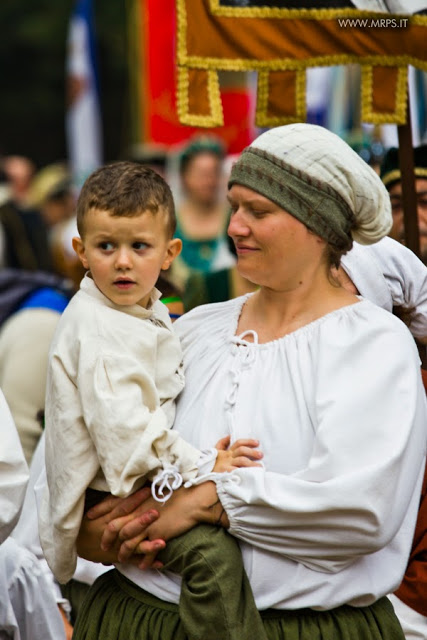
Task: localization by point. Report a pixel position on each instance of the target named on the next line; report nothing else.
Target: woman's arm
(116, 529)
(112, 530)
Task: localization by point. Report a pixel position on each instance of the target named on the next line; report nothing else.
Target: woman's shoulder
(210, 318)
(364, 323)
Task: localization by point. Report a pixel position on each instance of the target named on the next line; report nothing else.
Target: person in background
(201, 213)
(154, 156)
(13, 472)
(20, 171)
(24, 239)
(215, 286)
(31, 303)
(27, 609)
(391, 177)
(51, 193)
(330, 385)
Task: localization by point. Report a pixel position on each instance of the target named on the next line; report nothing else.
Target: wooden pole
(409, 197)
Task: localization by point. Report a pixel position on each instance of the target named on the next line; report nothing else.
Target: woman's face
(202, 177)
(274, 249)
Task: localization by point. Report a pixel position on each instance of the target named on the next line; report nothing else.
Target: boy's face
(126, 254)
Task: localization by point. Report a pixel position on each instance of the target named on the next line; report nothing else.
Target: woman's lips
(243, 248)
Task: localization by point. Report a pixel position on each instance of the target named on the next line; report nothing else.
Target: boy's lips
(124, 284)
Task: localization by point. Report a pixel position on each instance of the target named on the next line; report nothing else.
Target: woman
(329, 384)
(201, 215)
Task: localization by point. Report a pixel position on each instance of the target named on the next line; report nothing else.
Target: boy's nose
(123, 259)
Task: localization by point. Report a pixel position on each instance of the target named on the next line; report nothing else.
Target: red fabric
(160, 122)
(413, 590)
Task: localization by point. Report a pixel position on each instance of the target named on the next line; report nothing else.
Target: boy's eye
(106, 246)
(139, 246)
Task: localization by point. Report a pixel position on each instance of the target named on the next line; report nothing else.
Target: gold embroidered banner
(281, 40)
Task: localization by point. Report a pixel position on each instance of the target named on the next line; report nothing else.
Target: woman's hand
(142, 534)
(242, 453)
(96, 543)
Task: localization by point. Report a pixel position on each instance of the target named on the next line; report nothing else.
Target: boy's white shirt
(113, 377)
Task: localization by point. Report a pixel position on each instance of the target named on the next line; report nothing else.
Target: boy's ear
(79, 248)
(173, 250)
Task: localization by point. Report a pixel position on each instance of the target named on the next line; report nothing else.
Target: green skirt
(116, 609)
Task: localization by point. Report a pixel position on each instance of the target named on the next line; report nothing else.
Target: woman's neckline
(300, 330)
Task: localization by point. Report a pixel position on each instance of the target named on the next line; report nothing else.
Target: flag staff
(409, 196)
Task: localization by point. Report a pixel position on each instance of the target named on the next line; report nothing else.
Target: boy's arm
(131, 432)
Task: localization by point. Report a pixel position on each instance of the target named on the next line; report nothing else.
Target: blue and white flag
(83, 117)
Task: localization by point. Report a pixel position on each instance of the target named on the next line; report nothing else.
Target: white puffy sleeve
(368, 416)
(391, 275)
(13, 472)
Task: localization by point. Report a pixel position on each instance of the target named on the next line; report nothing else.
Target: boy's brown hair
(126, 189)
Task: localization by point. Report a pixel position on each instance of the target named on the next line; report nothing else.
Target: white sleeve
(369, 419)
(406, 277)
(130, 431)
(13, 472)
(28, 609)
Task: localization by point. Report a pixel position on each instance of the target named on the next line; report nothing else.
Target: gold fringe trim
(375, 117)
(284, 64)
(217, 9)
(215, 117)
(262, 119)
(181, 21)
(212, 65)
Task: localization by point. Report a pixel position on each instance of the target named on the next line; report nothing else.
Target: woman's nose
(237, 225)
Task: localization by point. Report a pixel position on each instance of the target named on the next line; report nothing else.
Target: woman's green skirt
(116, 609)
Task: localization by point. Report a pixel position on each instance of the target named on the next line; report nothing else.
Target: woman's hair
(126, 189)
(333, 256)
(197, 145)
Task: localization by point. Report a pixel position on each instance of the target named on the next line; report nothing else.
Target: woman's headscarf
(315, 176)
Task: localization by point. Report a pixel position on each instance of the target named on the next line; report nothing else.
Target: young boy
(114, 374)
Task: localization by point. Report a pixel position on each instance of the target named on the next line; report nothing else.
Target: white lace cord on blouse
(165, 483)
(245, 356)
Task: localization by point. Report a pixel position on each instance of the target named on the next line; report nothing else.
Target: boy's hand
(242, 453)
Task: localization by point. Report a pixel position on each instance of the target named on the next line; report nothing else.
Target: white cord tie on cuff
(165, 483)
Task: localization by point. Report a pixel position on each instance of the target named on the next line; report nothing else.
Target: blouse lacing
(244, 357)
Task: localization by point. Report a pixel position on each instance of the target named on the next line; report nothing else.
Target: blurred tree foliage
(33, 56)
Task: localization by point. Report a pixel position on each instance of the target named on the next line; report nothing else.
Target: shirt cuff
(206, 461)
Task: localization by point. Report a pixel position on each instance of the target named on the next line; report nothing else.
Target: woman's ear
(173, 250)
(79, 248)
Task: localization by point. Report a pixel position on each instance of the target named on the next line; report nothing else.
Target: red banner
(155, 77)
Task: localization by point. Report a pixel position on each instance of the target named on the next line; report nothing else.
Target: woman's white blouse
(340, 412)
